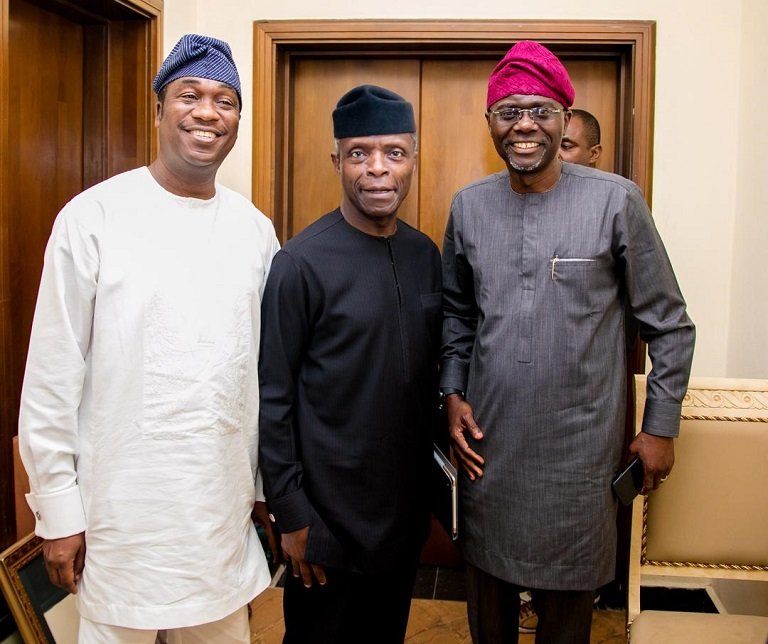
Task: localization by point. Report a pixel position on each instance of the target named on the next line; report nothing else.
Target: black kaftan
(348, 378)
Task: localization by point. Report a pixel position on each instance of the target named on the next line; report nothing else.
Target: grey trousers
(493, 608)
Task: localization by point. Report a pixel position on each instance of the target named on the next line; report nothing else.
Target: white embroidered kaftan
(139, 411)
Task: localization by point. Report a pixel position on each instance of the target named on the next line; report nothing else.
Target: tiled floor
(433, 621)
(433, 582)
(438, 614)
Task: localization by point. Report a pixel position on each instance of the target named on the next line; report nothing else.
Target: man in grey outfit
(541, 263)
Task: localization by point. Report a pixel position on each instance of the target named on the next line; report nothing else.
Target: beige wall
(748, 330)
(708, 166)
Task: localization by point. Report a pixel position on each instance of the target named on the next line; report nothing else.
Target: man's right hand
(294, 545)
(461, 420)
(64, 560)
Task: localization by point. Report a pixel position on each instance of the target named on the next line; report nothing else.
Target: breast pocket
(584, 285)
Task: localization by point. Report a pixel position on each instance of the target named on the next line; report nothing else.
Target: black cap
(369, 110)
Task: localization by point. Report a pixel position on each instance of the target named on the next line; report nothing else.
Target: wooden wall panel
(75, 108)
(7, 511)
(313, 186)
(45, 150)
(130, 121)
(456, 146)
(596, 85)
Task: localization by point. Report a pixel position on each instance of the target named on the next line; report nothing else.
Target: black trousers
(493, 608)
(351, 608)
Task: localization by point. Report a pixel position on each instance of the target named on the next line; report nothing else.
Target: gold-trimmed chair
(707, 526)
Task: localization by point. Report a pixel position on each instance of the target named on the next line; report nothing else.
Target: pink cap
(529, 68)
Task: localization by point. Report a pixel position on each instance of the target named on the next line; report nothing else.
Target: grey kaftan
(536, 286)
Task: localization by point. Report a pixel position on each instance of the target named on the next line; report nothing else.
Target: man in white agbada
(139, 411)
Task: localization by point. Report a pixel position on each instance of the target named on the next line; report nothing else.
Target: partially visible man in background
(139, 410)
(581, 139)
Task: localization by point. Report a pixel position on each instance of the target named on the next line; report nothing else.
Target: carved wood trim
(725, 399)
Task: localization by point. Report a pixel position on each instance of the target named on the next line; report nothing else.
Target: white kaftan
(139, 411)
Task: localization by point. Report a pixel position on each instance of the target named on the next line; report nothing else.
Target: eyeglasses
(514, 114)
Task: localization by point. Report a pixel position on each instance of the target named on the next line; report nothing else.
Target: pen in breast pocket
(578, 260)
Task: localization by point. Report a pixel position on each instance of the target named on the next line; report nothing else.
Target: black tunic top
(348, 378)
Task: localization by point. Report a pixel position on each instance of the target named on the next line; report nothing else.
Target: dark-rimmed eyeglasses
(514, 114)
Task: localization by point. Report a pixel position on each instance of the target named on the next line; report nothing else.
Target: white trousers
(233, 629)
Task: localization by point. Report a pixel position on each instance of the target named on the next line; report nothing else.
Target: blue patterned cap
(199, 57)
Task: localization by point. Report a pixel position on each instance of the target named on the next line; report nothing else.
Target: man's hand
(461, 421)
(260, 515)
(658, 456)
(64, 560)
(294, 547)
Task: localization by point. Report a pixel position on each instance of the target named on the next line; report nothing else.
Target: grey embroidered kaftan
(536, 288)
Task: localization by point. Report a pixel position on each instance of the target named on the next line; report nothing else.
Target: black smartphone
(629, 483)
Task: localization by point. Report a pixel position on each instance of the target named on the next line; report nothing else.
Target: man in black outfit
(348, 379)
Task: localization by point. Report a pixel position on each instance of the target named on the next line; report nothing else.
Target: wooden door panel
(448, 95)
(130, 121)
(596, 85)
(456, 148)
(313, 185)
(65, 124)
(45, 150)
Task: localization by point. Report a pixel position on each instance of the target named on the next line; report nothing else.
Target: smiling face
(528, 147)
(198, 120)
(376, 174)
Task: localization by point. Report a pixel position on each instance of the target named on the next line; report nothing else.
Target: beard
(523, 168)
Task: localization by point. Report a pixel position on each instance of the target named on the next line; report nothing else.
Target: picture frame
(39, 608)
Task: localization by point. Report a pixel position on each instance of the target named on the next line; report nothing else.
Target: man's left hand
(658, 456)
(260, 515)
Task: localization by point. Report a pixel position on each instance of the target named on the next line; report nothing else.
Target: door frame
(97, 163)
(277, 42)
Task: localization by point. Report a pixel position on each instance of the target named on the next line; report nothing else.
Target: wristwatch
(447, 391)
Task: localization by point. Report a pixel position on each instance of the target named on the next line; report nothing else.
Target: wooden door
(318, 84)
(448, 97)
(611, 63)
(77, 107)
(442, 67)
(45, 149)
